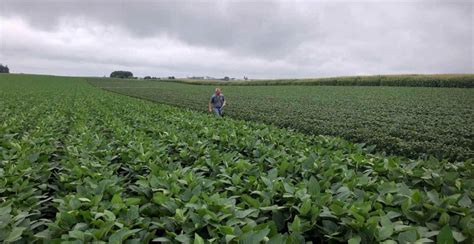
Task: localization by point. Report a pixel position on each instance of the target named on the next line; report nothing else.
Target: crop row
(448, 80)
(414, 122)
(81, 165)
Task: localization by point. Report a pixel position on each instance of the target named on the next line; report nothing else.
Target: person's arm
(223, 101)
(210, 106)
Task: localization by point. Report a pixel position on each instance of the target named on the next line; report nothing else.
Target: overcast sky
(259, 39)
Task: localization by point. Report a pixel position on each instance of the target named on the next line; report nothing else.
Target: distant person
(217, 102)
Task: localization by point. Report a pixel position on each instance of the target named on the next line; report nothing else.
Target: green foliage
(409, 121)
(121, 74)
(4, 69)
(78, 164)
(443, 80)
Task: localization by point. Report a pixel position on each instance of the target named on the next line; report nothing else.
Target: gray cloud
(259, 39)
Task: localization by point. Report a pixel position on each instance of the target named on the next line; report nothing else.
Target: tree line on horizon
(121, 74)
(4, 69)
(129, 75)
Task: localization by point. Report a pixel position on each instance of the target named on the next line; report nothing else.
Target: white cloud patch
(73, 49)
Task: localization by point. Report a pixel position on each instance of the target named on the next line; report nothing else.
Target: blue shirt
(217, 101)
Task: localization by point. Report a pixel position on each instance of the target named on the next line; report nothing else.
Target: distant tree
(226, 78)
(147, 77)
(121, 74)
(170, 77)
(4, 69)
(246, 78)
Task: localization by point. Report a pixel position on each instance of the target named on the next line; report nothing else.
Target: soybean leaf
(445, 236)
(407, 237)
(15, 234)
(121, 235)
(296, 225)
(254, 236)
(354, 240)
(198, 239)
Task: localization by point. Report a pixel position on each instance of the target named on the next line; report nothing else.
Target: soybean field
(79, 165)
(407, 80)
(410, 121)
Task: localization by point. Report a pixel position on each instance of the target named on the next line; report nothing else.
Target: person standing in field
(217, 102)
